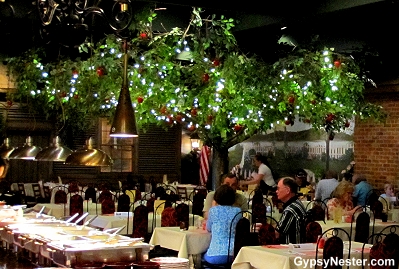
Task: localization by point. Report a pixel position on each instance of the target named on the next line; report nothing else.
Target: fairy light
(44, 74)
(178, 51)
(142, 58)
(328, 99)
(219, 86)
(326, 59)
(112, 51)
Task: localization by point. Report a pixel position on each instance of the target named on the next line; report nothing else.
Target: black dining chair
(334, 246)
(362, 222)
(384, 250)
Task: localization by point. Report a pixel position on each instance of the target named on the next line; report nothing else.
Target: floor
(8, 260)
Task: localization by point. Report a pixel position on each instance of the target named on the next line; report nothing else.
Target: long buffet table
(66, 244)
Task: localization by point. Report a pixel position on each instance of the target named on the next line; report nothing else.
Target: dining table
(116, 221)
(189, 244)
(379, 225)
(62, 210)
(297, 256)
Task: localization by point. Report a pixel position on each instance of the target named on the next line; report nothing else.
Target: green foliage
(225, 95)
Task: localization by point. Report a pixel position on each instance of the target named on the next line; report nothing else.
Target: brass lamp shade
(124, 123)
(89, 156)
(54, 153)
(6, 149)
(27, 152)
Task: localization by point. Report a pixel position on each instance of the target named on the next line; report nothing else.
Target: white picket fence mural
(303, 149)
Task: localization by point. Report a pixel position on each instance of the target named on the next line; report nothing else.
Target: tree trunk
(327, 153)
(220, 165)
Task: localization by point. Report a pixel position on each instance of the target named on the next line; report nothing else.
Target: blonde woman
(342, 200)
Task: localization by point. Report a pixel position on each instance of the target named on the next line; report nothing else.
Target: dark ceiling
(345, 25)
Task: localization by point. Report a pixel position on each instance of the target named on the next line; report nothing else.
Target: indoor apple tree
(199, 78)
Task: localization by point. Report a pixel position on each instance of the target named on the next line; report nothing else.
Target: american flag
(205, 155)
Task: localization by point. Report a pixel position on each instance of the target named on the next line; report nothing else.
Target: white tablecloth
(57, 210)
(28, 189)
(191, 242)
(279, 256)
(107, 222)
(378, 226)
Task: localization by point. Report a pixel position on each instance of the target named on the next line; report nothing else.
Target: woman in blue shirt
(219, 221)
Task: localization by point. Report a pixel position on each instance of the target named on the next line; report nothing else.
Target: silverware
(72, 218)
(81, 217)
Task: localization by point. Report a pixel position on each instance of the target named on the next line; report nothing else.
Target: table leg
(195, 261)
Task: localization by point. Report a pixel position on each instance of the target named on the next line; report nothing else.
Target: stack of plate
(172, 263)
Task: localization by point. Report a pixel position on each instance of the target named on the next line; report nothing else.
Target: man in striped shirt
(291, 228)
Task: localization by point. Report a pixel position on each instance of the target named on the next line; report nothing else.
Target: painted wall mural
(289, 148)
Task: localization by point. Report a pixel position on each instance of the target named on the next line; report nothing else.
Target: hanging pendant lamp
(56, 152)
(27, 152)
(6, 149)
(89, 156)
(124, 123)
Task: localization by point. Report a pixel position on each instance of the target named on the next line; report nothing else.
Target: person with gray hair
(362, 189)
(291, 227)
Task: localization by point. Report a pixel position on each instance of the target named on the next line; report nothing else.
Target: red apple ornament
(237, 128)
(100, 71)
(337, 64)
(194, 112)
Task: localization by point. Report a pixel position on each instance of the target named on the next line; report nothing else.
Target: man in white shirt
(326, 186)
